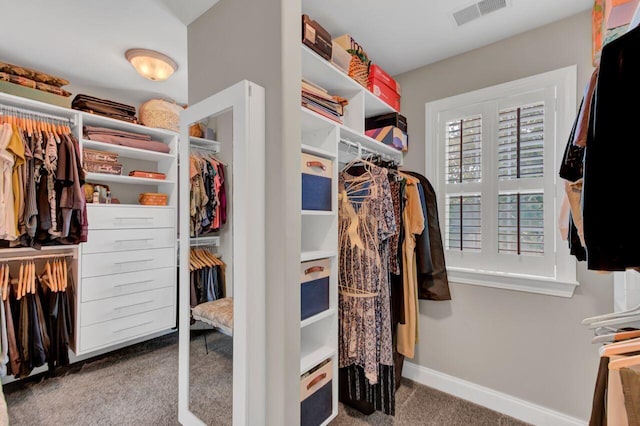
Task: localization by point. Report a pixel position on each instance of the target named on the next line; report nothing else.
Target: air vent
(488, 6)
(466, 15)
(476, 10)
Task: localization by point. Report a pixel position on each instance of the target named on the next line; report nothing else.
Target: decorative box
(390, 119)
(316, 394)
(390, 135)
(106, 167)
(317, 173)
(381, 75)
(384, 92)
(314, 291)
(316, 37)
(96, 155)
(340, 57)
(148, 175)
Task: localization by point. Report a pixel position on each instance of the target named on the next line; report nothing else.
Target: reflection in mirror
(210, 270)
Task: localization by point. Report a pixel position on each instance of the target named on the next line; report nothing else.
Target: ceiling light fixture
(151, 64)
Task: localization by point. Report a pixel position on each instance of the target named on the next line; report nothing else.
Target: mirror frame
(246, 100)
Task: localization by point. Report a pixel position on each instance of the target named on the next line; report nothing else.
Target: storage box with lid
(316, 394)
(384, 86)
(317, 175)
(105, 167)
(314, 290)
(391, 119)
(391, 136)
(99, 156)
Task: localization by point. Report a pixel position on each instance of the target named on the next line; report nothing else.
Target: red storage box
(381, 75)
(384, 92)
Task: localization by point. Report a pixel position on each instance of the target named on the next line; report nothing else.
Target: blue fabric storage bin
(317, 173)
(316, 393)
(314, 291)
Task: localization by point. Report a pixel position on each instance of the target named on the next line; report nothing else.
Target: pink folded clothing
(124, 138)
(132, 143)
(89, 130)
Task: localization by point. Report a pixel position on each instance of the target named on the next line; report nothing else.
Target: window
(493, 156)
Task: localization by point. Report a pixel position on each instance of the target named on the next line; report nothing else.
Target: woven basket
(359, 70)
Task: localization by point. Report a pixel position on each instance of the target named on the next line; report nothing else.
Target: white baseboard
(497, 401)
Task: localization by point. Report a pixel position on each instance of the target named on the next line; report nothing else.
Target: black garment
(432, 285)
(423, 245)
(611, 159)
(571, 168)
(355, 390)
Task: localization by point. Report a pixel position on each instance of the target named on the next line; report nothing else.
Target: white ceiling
(84, 41)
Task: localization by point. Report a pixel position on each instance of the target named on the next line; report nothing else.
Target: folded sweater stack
(124, 138)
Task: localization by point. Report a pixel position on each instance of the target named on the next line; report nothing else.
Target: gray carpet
(138, 385)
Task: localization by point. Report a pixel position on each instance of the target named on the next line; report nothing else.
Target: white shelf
(370, 143)
(314, 356)
(129, 180)
(308, 149)
(208, 144)
(112, 123)
(318, 70)
(318, 317)
(113, 206)
(205, 241)
(128, 152)
(318, 213)
(312, 121)
(318, 254)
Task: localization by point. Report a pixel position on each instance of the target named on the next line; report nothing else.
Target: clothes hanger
(20, 276)
(616, 336)
(623, 347)
(625, 319)
(633, 311)
(627, 361)
(65, 274)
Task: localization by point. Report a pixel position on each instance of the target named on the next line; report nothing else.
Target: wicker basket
(359, 70)
(153, 199)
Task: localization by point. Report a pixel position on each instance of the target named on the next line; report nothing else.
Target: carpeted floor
(138, 385)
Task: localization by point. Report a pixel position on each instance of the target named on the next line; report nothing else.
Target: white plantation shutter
(493, 155)
(521, 142)
(464, 150)
(463, 223)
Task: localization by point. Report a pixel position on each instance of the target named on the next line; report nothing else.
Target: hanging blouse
(366, 222)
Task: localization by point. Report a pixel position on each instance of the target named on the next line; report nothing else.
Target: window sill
(525, 283)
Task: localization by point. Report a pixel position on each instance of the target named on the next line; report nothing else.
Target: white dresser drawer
(119, 330)
(106, 286)
(122, 306)
(107, 240)
(117, 217)
(127, 261)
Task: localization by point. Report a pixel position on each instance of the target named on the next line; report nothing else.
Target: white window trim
(564, 282)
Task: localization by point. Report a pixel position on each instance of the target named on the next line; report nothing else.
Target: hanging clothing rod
(16, 110)
(41, 256)
(371, 151)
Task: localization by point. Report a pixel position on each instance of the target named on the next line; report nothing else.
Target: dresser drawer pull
(134, 218)
(133, 261)
(133, 283)
(133, 326)
(133, 304)
(132, 240)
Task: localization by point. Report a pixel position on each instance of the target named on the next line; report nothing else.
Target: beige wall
(259, 41)
(529, 346)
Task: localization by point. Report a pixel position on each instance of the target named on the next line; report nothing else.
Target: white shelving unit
(125, 280)
(129, 261)
(339, 143)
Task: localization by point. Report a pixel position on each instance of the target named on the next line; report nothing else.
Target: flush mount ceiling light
(151, 64)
